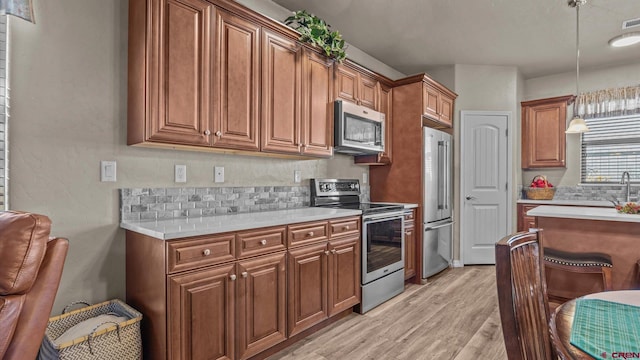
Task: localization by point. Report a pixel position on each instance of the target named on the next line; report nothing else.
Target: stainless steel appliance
(437, 247)
(382, 246)
(357, 129)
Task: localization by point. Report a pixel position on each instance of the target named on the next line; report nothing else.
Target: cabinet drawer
(341, 227)
(256, 242)
(199, 252)
(307, 233)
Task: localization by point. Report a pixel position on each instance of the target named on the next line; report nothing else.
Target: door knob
(469, 197)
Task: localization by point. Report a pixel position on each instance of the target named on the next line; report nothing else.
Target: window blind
(611, 147)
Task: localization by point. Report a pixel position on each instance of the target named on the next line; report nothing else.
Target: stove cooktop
(367, 208)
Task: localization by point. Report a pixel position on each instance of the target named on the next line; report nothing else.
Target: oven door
(383, 245)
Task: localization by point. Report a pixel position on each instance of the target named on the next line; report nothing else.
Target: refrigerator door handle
(446, 174)
(441, 175)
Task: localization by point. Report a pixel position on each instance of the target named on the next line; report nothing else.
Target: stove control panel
(335, 187)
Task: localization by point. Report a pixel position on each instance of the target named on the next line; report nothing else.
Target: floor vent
(627, 24)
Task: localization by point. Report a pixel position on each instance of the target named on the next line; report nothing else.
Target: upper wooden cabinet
(356, 85)
(437, 103)
(543, 138)
(170, 72)
(317, 104)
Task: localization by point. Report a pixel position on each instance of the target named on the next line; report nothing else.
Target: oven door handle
(450, 223)
(388, 215)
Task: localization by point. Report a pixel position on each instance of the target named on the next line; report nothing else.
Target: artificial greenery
(317, 32)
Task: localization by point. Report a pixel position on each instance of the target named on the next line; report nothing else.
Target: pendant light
(577, 124)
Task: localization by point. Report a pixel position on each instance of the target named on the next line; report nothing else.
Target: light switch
(296, 176)
(181, 173)
(365, 178)
(218, 174)
(107, 171)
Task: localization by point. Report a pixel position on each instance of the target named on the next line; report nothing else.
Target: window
(611, 147)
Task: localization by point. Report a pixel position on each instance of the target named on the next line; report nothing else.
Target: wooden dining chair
(522, 299)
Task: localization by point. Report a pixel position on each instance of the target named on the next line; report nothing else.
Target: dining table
(562, 321)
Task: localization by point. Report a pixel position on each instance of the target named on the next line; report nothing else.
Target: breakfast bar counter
(601, 230)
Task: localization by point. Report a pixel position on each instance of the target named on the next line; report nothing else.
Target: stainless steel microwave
(357, 129)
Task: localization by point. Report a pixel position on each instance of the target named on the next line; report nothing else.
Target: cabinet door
(344, 274)
(201, 308)
(430, 102)
(446, 110)
(543, 137)
(409, 249)
(385, 107)
(238, 80)
(261, 304)
(281, 83)
(317, 117)
(307, 288)
(346, 83)
(368, 91)
(179, 111)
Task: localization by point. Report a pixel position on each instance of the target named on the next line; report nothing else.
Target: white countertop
(206, 225)
(600, 203)
(585, 213)
(406, 206)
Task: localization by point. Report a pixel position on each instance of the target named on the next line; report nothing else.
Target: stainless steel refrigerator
(437, 245)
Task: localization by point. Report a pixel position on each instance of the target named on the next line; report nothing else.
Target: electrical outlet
(107, 171)
(181, 173)
(365, 178)
(218, 174)
(297, 177)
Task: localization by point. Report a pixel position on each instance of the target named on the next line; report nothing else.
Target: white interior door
(484, 196)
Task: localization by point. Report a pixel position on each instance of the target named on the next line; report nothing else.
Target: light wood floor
(454, 316)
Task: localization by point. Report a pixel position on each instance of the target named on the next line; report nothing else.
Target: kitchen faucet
(628, 183)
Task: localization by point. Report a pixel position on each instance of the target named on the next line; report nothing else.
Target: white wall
(486, 88)
(565, 84)
(69, 76)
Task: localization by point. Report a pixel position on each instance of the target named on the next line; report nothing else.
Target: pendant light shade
(577, 124)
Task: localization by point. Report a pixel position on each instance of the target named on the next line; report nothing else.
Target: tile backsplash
(168, 203)
(593, 192)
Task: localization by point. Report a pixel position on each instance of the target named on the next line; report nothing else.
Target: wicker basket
(120, 341)
(545, 193)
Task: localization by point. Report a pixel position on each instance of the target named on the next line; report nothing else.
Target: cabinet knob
(244, 274)
(345, 228)
(206, 252)
(263, 242)
(232, 277)
(218, 133)
(310, 233)
(207, 132)
(326, 252)
(333, 251)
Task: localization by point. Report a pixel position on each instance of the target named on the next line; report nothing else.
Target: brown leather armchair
(30, 270)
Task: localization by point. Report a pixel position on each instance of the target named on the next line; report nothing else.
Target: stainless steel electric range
(382, 238)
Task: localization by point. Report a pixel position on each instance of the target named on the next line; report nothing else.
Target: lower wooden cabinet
(261, 304)
(324, 279)
(237, 294)
(409, 245)
(526, 222)
(200, 314)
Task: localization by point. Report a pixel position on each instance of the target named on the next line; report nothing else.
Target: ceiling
(537, 36)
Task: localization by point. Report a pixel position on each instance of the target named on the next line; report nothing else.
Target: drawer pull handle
(206, 252)
(263, 242)
(345, 228)
(232, 277)
(244, 274)
(310, 234)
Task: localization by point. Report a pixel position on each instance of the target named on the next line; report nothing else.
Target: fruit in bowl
(540, 181)
(628, 208)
